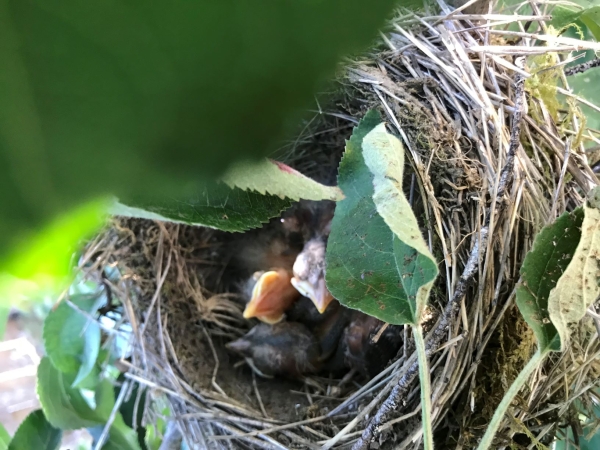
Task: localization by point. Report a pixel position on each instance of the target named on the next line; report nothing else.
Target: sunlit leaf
(384, 155)
(43, 261)
(4, 438)
(35, 432)
(65, 406)
(272, 177)
(72, 336)
(361, 267)
(143, 98)
(216, 207)
(579, 285)
(552, 251)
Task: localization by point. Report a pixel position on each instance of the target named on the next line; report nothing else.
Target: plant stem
(424, 378)
(512, 392)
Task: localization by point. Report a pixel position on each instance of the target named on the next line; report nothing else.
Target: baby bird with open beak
(271, 295)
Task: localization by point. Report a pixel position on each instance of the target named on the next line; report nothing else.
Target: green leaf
(154, 434)
(65, 406)
(4, 313)
(143, 98)
(72, 339)
(218, 206)
(591, 18)
(43, 261)
(563, 16)
(120, 436)
(361, 266)
(585, 85)
(4, 438)
(384, 155)
(579, 287)
(272, 177)
(35, 432)
(552, 251)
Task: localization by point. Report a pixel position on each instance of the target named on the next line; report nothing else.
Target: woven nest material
(491, 160)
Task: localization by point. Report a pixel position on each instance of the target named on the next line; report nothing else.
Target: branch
(580, 68)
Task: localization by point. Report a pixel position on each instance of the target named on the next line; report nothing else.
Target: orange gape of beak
(272, 295)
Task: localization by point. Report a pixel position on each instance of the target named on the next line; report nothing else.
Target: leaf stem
(513, 390)
(424, 378)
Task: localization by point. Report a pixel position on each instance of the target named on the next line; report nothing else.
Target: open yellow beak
(272, 295)
(319, 294)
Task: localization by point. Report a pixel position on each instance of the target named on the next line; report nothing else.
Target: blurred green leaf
(272, 177)
(586, 85)
(144, 99)
(35, 432)
(552, 251)
(587, 27)
(120, 436)
(4, 438)
(154, 434)
(585, 442)
(583, 18)
(64, 406)
(417, 269)
(590, 438)
(217, 207)
(563, 16)
(578, 286)
(591, 18)
(249, 195)
(72, 339)
(43, 261)
(361, 267)
(4, 313)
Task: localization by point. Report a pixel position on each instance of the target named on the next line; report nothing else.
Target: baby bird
(309, 274)
(286, 348)
(361, 352)
(271, 295)
(327, 327)
(309, 266)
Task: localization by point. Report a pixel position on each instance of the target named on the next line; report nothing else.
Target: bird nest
(492, 157)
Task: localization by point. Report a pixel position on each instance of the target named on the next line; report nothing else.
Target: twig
(580, 68)
(113, 413)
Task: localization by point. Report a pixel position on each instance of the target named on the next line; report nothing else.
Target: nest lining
(446, 86)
